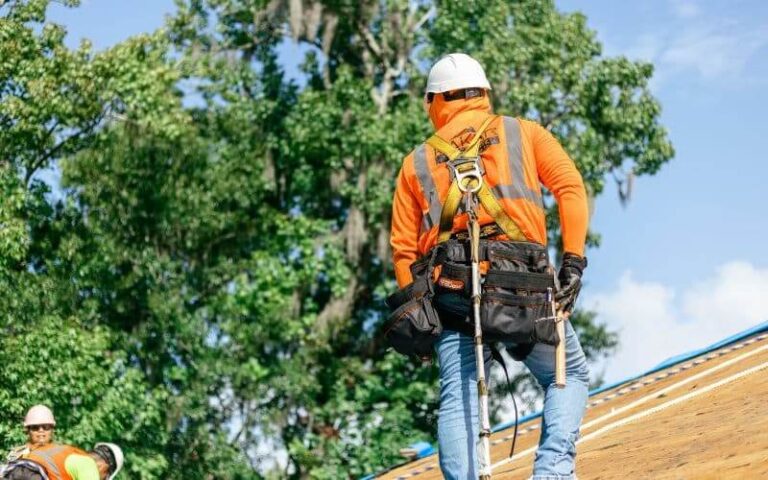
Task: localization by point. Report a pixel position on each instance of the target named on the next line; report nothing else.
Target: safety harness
(467, 171)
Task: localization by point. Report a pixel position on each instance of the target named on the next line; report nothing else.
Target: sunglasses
(463, 94)
(37, 428)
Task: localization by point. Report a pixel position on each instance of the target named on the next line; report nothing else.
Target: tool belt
(514, 308)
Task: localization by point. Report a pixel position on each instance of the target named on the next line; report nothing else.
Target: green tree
(52, 102)
(219, 256)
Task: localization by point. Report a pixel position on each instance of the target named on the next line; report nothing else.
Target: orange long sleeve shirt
(544, 159)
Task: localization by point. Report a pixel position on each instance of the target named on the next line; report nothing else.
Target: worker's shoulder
(79, 457)
(408, 159)
(81, 465)
(534, 131)
(419, 147)
(528, 124)
(17, 452)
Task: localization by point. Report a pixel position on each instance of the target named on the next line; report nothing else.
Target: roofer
(39, 425)
(429, 241)
(65, 462)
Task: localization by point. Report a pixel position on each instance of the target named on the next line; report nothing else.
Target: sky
(683, 264)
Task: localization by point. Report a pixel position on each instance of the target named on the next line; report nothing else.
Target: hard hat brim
(456, 84)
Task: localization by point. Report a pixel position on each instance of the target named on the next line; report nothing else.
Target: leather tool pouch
(413, 326)
(514, 305)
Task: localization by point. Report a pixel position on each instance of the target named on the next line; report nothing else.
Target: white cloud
(737, 290)
(713, 53)
(655, 322)
(685, 8)
(701, 43)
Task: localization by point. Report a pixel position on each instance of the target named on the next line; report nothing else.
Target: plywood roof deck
(704, 418)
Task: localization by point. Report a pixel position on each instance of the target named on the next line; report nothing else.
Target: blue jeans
(457, 425)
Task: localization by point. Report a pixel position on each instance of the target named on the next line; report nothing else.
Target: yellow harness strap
(446, 147)
(471, 156)
(492, 205)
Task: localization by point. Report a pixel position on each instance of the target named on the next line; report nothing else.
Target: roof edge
(762, 327)
(688, 355)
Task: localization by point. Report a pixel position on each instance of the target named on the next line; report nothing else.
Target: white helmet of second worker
(112, 455)
(454, 72)
(39, 415)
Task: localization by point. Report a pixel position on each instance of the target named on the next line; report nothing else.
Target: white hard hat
(454, 72)
(39, 415)
(117, 454)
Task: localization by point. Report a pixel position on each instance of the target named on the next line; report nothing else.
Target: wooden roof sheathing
(702, 418)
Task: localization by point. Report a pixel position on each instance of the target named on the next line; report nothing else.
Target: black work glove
(569, 278)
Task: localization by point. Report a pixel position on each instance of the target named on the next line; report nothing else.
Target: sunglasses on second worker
(36, 428)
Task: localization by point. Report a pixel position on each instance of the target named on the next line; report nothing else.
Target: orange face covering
(442, 112)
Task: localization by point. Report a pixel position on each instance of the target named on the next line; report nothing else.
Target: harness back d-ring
(467, 174)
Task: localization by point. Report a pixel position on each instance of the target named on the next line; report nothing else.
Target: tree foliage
(205, 286)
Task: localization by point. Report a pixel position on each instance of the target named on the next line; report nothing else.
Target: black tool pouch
(518, 319)
(413, 327)
(515, 305)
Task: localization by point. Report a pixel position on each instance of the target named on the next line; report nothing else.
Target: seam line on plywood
(623, 391)
(657, 408)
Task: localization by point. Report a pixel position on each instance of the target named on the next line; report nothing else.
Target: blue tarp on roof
(665, 364)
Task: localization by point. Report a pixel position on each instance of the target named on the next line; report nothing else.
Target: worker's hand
(569, 278)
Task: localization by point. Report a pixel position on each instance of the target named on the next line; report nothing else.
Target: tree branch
(371, 42)
(40, 162)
